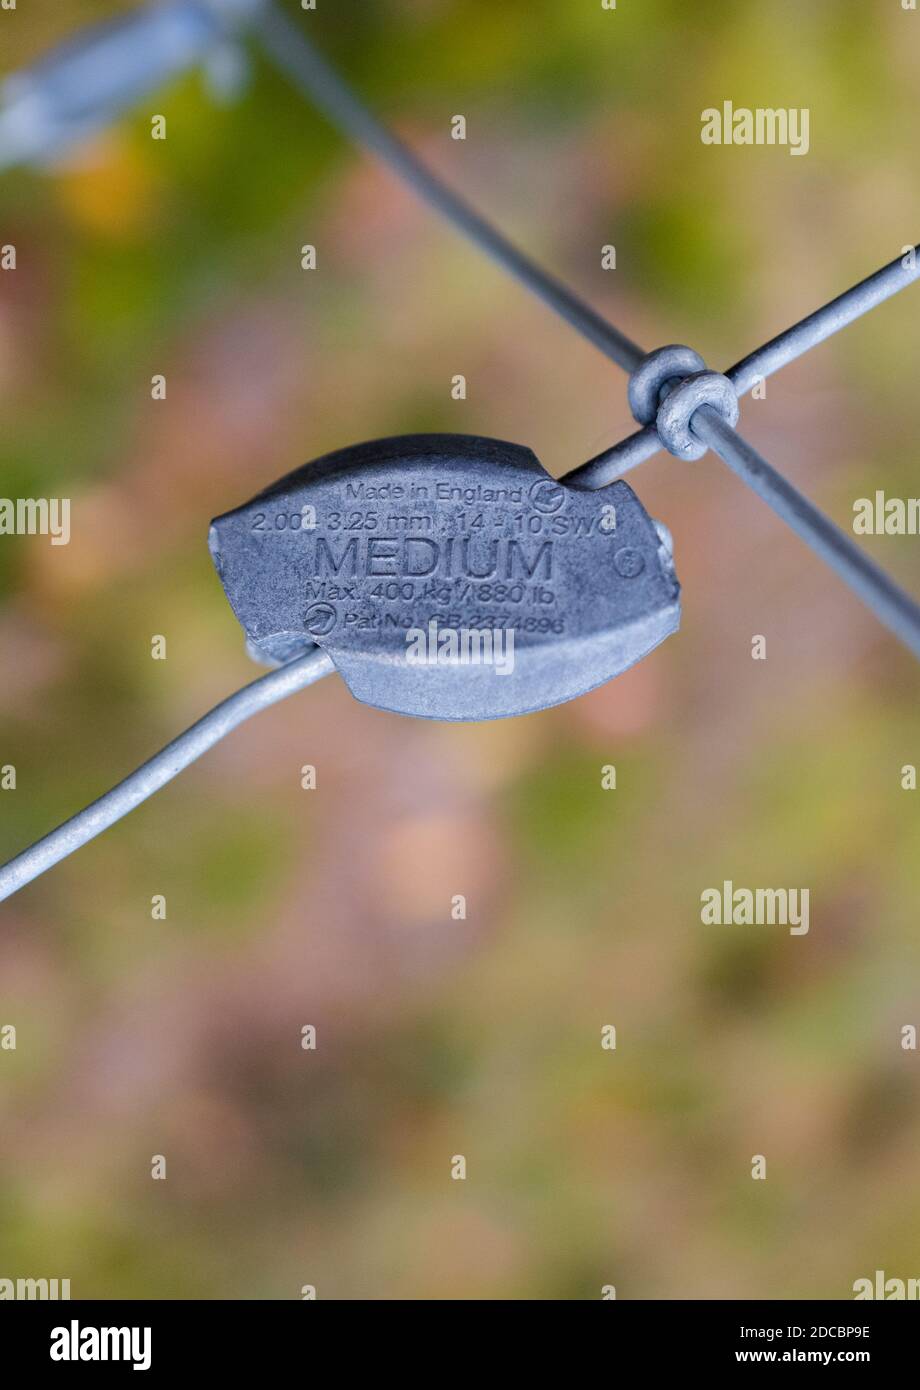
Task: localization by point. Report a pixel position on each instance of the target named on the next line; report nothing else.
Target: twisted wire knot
(666, 388)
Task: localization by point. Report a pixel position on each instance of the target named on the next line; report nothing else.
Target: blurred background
(332, 907)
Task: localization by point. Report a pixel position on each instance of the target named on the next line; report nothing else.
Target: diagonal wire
(317, 79)
(321, 83)
(826, 321)
(612, 463)
(313, 75)
(162, 768)
(90, 79)
(890, 604)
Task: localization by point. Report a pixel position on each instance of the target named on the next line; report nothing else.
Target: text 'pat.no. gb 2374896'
(412, 561)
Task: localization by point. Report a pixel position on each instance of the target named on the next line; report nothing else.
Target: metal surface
(680, 405)
(160, 769)
(88, 82)
(657, 370)
(440, 535)
(637, 448)
(314, 76)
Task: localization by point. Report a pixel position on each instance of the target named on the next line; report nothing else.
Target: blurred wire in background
(106, 69)
(288, 908)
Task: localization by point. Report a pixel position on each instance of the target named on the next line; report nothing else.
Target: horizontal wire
(296, 56)
(890, 604)
(162, 768)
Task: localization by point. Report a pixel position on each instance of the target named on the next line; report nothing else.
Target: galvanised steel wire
(612, 463)
(87, 82)
(890, 604)
(162, 768)
(826, 321)
(318, 79)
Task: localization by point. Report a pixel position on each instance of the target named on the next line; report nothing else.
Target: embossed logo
(319, 619)
(629, 562)
(547, 496)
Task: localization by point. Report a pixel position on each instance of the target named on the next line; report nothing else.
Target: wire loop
(668, 385)
(674, 420)
(658, 369)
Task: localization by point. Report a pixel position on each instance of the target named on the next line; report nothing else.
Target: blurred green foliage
(182, 1037)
